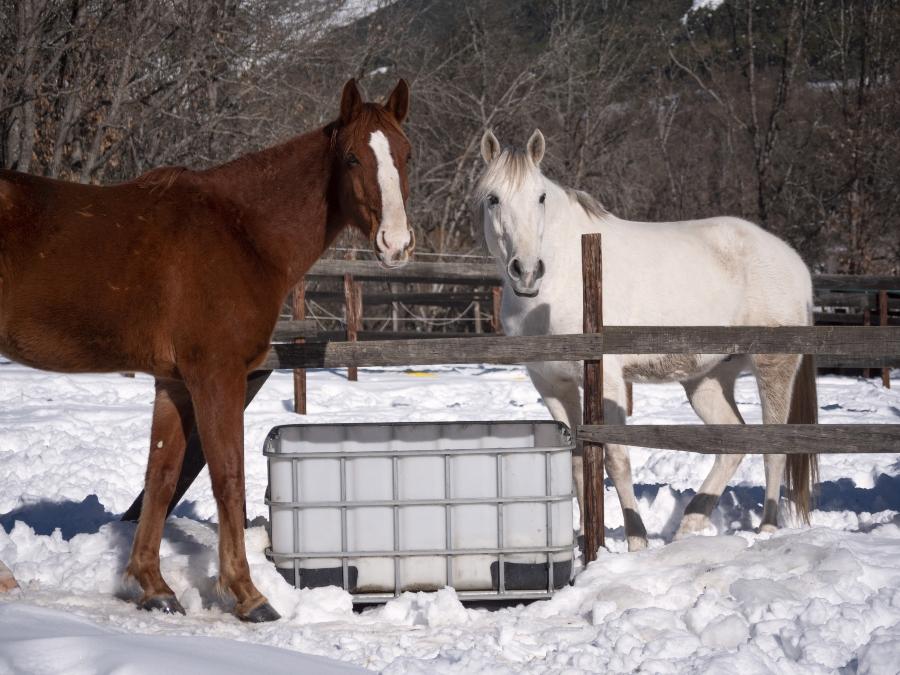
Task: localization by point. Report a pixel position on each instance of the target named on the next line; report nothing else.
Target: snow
(36, 640)
(697, 5)
(711, 5)
(803, 600)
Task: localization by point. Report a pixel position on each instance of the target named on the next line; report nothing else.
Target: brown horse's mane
(371, 115)
(159, 179)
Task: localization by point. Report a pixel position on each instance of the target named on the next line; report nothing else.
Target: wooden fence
(840, 300)
(875, 345)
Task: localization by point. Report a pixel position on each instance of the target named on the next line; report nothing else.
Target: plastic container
(485, 507)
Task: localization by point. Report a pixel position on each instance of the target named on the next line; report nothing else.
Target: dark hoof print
(167, 604)
(262, 614)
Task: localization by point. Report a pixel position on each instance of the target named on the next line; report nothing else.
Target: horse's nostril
(515, 268)
(381, 241)
(539, 270)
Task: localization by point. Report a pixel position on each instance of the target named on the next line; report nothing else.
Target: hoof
(167, 604)
(694, 523)
(636, 544)
(767, 528)
(260, 614)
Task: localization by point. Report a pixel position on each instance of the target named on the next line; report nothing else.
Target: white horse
(714, 272)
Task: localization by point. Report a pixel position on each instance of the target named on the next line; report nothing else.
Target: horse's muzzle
(392, 256)
(525, 279)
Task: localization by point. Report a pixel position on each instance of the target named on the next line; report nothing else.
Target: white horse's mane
(509, 171)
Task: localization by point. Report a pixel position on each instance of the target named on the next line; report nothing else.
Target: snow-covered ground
(72, 456)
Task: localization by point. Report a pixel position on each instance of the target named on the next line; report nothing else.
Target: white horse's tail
(802, 470)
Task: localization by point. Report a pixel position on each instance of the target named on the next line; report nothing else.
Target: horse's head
(510, 197)
(371, 154)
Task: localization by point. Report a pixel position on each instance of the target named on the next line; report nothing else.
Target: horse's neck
(281, 195)
(561, 242)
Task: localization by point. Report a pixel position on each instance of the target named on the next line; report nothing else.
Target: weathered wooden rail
(428, 272)
(876, 342)
(754, 439)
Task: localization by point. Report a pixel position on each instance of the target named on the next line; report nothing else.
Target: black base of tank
(516, 576)
(530, 576)
(320, 576)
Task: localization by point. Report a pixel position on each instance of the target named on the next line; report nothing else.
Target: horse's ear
(398, 102)
(536, 147)
(490, 146)
(351, 101)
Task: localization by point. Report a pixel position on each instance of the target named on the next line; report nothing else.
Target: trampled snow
(810, 600)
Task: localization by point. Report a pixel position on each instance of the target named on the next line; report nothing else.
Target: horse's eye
(352, 159)
(409, 158)
(543, 197)
(493, 200)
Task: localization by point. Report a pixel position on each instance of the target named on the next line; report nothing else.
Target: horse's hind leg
(774, 377)
(219, 406)
(712, 398)
(172, 420)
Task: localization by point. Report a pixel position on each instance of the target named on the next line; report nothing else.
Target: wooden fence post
(298, 311)
(883, 321)
(629, 393)
(592, 275)
(867, 321)
(353, 305)
(395, 309)
(496, 297)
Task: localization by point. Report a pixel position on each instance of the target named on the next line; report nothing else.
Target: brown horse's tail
(802, 470)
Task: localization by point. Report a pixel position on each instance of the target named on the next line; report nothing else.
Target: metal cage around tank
(530, 571)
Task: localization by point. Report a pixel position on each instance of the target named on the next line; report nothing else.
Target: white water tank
(384, 508)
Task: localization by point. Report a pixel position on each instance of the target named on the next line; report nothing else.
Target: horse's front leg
(557, 383)
(618, 462)
(219, 407)
(172, 420)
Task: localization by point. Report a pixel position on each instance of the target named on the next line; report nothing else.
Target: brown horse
(181, 274)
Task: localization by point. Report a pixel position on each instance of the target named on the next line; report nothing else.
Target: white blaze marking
(393, 215)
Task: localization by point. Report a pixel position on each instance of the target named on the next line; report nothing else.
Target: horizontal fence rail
(292, 329)
(855, 282)
(488, 273)
(758, 439)
(438, 272)
(853, 341)
(862, 362)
